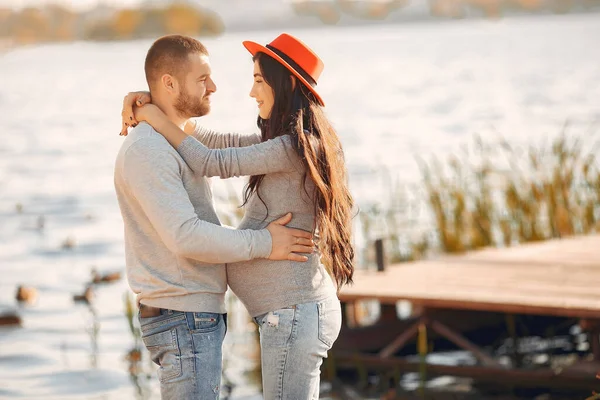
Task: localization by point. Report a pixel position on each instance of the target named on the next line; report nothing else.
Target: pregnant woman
(297, 165)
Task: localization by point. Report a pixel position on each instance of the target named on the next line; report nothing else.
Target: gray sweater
(175, 248)
(265, 285)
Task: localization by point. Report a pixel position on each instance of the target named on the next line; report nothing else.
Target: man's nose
(211, 87)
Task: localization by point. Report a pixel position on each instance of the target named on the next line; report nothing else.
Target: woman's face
(263, 93)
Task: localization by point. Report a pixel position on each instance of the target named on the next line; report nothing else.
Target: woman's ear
(293, 78)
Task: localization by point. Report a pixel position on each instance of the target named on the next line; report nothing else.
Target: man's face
(195, 88)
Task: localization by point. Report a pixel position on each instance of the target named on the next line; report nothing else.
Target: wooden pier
(558, 278)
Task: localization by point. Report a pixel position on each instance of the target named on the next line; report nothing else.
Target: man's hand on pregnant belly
(289, 243)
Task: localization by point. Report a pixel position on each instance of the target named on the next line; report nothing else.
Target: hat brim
(254, 48)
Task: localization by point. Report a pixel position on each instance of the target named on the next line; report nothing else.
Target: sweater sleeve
(218, 140)
(276, 155)
(154, 176)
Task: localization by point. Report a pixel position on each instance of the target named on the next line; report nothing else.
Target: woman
(299, 168)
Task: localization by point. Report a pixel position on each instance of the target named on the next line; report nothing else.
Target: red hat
(295, 56)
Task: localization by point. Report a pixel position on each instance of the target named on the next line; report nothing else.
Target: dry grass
(509, 196)
(496, 194)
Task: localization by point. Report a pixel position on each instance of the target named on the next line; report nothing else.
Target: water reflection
(93, 329)
(139, 376)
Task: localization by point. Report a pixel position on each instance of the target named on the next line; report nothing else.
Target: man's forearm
(215, 244)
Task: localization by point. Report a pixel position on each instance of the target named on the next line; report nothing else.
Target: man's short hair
(170, 55)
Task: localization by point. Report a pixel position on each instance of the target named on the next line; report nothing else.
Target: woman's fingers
(142, 98)
(133, 99)
(123, 130)
(127, 111)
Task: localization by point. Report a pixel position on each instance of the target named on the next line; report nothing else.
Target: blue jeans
(293, 342)
(188, 348)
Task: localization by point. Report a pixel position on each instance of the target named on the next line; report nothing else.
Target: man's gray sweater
(175, 249)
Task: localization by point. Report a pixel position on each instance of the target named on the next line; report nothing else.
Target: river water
(393, 92)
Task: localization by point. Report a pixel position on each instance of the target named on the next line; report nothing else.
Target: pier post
(379, 255)
(595, 339)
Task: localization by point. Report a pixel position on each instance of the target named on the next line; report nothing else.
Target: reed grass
(137, 354)
(497, 194)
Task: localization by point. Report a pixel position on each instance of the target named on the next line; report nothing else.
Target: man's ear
(169, 83)
(293, 78)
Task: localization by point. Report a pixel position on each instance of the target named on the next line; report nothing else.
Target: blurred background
(428, 97)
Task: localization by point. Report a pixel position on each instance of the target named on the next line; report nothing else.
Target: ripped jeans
(293, 342)
(187, 347)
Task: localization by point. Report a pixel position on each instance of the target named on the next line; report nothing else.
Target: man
(175, 248)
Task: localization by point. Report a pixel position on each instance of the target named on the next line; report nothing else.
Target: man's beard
(190, 107)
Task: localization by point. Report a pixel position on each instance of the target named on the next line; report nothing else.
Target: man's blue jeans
(188, 348)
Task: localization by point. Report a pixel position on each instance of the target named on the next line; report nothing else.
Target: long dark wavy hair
(297, 112)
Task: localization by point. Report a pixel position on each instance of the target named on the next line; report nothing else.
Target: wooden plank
(484, 306)
(428, 277)
(463, 342)
(559, 278)
(576, 250)
(547, 378)
(400, 341)
(401, 283)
